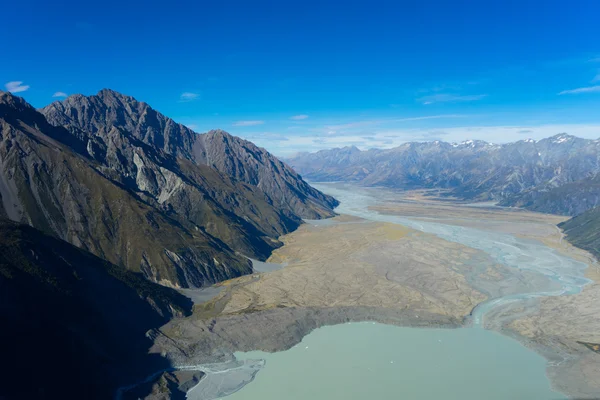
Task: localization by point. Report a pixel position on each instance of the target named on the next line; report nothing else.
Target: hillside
(583, 231)
(117, 180)
(109, 115)
(67, 314)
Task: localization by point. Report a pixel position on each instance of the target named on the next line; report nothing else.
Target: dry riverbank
(566, 329)
(352, 269)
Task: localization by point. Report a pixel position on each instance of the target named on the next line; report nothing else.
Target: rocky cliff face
(47, 185)
(525, 173)
(248, 163)
(111, 121)
(79, 319)
(114, 177)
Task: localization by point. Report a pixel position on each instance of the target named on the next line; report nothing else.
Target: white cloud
(60, 94)
(596, 78)
(429, 117)
(16, 86)
(588, 89)
(248, 123)
(445, 98)
(299, 117)
(351, 127)
(189, 96)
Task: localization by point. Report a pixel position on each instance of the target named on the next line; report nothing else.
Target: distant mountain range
(554, 175)
(112, 176)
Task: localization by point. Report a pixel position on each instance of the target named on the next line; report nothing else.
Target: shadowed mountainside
(583, 231)
(74, 324)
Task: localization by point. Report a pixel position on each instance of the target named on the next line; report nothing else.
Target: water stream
(562, 275)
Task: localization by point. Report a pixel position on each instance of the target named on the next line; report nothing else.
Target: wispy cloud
(267, 136)
(59, 94)
(429, 117)
(189, 96)
(596, 78)
(248, 123)
(16, 86)
(446, 97)
(351, 127)
(587, 89)
(299, 117)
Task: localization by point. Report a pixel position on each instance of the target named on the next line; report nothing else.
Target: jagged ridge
(114, 177)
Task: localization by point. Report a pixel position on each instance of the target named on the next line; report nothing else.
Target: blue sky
(303, 75)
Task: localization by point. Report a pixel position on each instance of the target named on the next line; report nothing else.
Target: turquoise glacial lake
(374, 361)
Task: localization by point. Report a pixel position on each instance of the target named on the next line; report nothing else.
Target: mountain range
(108, 206)
(114, 177)
(555, 175)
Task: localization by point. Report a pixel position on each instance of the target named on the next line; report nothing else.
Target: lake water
(374, 361)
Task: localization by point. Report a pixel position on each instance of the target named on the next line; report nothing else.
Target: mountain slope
(248, 163)
(473, 170)
(148, 154)
(109, 115)
(572, 198)
(583, 231)
(67, 314)
(47, 185)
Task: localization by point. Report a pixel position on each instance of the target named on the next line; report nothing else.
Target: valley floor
(351, 268)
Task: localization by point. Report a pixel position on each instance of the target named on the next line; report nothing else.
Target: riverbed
(410, 264)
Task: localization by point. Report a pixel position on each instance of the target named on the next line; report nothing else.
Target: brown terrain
(351, 269)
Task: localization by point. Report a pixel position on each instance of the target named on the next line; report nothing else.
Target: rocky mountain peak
(100, 114)
(10, 100)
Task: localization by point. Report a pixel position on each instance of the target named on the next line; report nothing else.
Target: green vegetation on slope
(583, 231)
